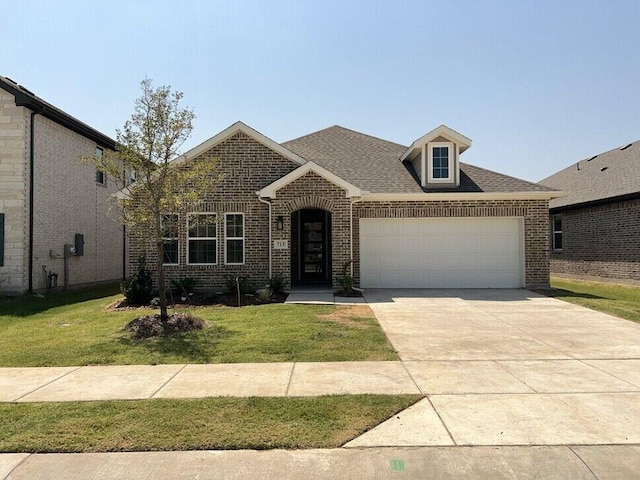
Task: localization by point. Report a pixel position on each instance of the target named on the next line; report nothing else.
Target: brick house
(53, 209)
(406, 216)
(595, 228)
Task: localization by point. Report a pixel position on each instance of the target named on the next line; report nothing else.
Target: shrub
(245, 285)
(277, 283)
(184, 286)
(137, 289)
(264, 295)
(345, 279)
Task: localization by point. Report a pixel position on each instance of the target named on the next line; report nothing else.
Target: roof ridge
(347, 129)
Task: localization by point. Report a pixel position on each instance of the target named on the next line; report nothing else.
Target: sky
(536, 84)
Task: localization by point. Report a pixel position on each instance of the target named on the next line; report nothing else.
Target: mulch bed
(202, 300)
(149, 326)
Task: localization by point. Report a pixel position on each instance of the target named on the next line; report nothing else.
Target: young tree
(165, 183)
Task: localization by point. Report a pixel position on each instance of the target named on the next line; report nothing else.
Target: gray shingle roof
(373, 165)
(611, 174)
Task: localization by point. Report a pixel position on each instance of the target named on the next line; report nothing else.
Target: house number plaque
(280, 244)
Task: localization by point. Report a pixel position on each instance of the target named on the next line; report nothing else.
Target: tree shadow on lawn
(194, 347)
(27, 305)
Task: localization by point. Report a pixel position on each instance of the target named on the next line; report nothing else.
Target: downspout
(31, 194)
(270, 221)
(357, 200)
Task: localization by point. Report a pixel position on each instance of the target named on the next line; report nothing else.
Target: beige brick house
(53, 210)
(410, 217)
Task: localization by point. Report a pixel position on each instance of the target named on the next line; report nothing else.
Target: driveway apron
(509, 367)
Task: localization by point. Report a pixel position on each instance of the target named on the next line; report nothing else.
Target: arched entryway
(311, 247)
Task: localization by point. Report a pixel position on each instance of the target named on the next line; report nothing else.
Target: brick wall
(246, 166)
(601, 241)
(13, 192)
(534, 214)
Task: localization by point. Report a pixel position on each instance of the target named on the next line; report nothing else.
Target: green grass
(74, 328)
(210, 423)
(620, 300)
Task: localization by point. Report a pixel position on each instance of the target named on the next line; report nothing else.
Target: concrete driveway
(509, 367)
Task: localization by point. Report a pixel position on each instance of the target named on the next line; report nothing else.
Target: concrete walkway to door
(509, 367)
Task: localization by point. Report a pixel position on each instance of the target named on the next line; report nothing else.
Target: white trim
(441, 131)
(270, 190)
(176, 238)
(423, 166)
(232, 130)
(243, 238)
(450, 162)
(439, 196)
(202, 238)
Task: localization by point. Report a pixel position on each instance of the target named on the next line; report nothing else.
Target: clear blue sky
(537, 85)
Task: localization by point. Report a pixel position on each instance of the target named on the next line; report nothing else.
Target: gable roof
(442, 131)
(373, 165)
(26, 98)
(231, 131)
(270, 190)
(610, 175)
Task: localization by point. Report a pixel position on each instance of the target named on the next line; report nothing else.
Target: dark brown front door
(314, 247)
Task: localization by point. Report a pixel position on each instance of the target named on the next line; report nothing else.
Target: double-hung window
(101, 179)
(170, 238)
(234, 238)
(556, 225)
(440, 162)
(202, 239)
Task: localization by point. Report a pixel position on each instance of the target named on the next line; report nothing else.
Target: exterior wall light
(280, 222)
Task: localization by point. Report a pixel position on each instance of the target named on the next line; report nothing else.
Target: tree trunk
(162, 296)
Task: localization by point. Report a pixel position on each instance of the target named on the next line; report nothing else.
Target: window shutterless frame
(556, 232)
(435, 159)
(170, 239)
(234, 238)
(202, 238)
(101, 179)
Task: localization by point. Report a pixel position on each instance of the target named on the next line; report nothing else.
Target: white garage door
(441, 253)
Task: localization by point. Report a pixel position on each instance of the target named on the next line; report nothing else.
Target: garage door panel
(441, 253)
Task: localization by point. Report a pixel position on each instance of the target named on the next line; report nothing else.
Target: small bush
(245, 285)
(151, 326)
(345, 279)
(184, 286)
(264, 295)
(277, 283)
(137, 289)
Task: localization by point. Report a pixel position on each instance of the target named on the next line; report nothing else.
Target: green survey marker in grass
(620, 300)
(201, 424)
(64, 329)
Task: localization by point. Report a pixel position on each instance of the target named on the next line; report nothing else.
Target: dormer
(436, 157)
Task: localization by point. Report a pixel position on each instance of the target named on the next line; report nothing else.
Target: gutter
(595, 203)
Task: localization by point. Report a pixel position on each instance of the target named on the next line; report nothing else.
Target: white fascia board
(270, 190)
(442, 131)
(247, 130)
(427, 196)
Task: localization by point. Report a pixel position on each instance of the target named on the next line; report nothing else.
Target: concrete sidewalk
(135, 382)
(441, 463)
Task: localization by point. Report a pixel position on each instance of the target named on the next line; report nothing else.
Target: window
(170, 238)
(100, 177)
(556, 221)
(440, 162)
(234, 241)
(202, 238)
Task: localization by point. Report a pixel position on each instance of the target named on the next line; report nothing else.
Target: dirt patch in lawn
(349, 315)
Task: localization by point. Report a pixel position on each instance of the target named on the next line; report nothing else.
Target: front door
(314, 250)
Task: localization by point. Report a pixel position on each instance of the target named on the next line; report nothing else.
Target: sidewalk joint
(46, 384)
(166, 383)
(293, 367)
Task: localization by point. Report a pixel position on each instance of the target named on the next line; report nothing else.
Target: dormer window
(439, 162)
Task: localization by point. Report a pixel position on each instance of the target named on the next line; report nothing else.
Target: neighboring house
(405, 216)
(53, 209)
(596, 226)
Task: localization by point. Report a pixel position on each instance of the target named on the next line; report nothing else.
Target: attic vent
(627, 146)
(603, 169)
(592, 158)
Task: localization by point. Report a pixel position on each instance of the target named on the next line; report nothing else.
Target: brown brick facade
(248, 166)
(600, 241)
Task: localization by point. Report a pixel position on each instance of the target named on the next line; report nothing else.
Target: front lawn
(202, 424)
(620, 300)
(75, 328)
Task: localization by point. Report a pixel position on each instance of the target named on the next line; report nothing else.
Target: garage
(441, 252)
